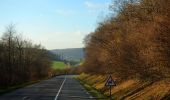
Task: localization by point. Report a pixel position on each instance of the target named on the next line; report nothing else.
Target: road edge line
(60, 89)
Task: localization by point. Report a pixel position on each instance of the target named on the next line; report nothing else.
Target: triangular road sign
(110, 81)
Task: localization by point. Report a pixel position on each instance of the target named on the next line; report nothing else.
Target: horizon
(67, 48)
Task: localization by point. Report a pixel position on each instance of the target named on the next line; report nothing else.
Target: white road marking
(26, 98)
(90, 97)
(56, 97)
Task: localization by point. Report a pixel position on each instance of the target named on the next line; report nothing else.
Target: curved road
(57, 88)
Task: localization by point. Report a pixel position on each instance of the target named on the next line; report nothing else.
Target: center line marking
(56, 97)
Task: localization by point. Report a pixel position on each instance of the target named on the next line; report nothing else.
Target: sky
(55, 24)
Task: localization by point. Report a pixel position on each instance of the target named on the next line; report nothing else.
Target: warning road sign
(110, 81)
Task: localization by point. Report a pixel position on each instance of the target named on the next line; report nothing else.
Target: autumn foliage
(135, 42)
(21, 61)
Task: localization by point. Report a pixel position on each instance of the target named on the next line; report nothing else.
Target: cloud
(63, 12)
(59, 40)
(95, 6)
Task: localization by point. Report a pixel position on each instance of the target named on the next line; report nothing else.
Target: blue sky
(55, 24)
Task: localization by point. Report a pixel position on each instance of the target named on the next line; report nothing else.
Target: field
(58, 65)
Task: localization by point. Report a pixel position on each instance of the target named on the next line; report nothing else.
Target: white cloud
(58, 40)
(95, 6)
(63, 12)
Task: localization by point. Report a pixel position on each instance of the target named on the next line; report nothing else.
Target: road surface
(57, 88)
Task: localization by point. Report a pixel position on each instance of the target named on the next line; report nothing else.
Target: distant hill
(75, 54)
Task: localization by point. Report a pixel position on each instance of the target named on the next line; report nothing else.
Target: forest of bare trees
(135, 42)
(20, 60)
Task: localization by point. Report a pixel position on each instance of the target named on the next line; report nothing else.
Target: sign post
(110, 82)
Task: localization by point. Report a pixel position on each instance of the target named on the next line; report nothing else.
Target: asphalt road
(57, 88)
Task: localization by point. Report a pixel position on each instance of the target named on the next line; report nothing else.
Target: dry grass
(132, 89)
(156, 91)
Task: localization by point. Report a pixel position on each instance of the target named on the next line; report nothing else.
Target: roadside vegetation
(21, 61)
(130, 89)
(91, 89)
(134, 47)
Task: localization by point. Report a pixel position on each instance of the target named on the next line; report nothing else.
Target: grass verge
(130, 89)
(94, 92)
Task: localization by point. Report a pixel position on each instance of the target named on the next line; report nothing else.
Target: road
(58, 88)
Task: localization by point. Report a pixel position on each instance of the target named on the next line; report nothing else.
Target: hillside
(130, 89)
(75, 54)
